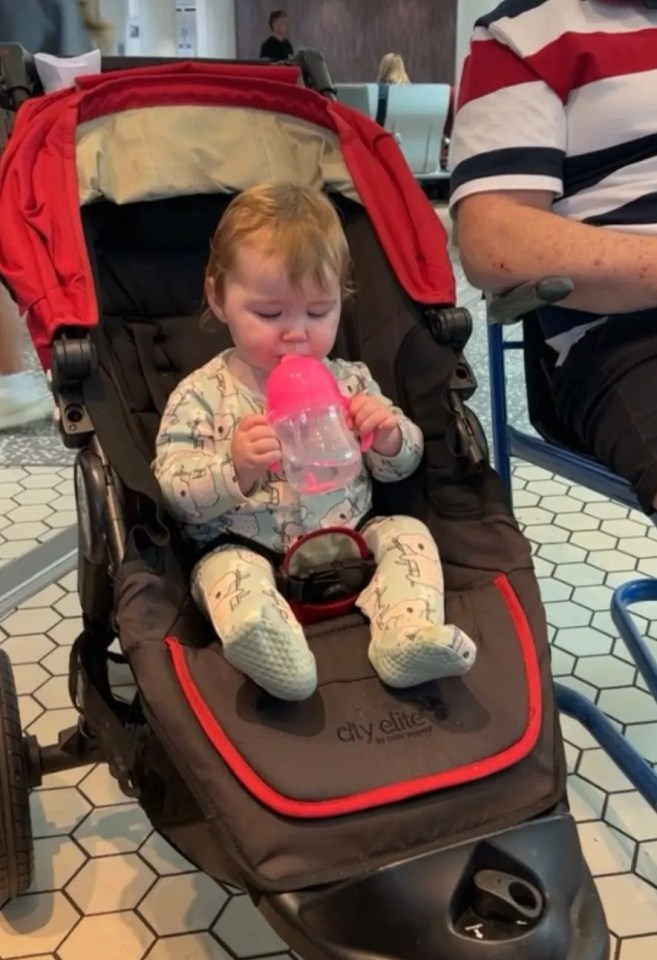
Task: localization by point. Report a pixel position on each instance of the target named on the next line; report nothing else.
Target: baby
(277, 275)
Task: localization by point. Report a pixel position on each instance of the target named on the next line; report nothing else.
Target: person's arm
(194, 470)
(508, 151)
(506, 238)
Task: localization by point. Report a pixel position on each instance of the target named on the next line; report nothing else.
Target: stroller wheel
(16, 845)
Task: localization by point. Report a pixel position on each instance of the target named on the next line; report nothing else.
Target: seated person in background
(554, 171)
(392, 69)
(277, 274)
(277, 46)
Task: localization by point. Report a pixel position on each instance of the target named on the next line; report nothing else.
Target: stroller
(365, 823)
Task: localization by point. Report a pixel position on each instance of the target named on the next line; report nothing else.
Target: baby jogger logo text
(395, 725)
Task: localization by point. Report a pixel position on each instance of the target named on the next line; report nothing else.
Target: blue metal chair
(580, 469)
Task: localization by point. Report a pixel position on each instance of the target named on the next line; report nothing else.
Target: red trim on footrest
(379, 796)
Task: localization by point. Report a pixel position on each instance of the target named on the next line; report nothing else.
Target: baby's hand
(372, 415)
(254, 449)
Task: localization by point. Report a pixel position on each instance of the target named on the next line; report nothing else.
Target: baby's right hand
(254, 449)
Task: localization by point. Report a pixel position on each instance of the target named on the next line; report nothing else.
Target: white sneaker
(27, 404)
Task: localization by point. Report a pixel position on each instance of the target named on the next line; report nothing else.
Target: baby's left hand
(371, 415)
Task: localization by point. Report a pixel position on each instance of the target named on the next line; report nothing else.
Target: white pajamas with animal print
(236, 586)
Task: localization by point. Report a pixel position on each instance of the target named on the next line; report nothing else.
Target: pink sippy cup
(309, 414)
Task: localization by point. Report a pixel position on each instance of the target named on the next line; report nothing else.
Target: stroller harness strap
(330, 589)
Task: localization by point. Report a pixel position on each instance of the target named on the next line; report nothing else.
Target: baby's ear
(211, 297)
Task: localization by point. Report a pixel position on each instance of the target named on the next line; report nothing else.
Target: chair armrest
(512, 305)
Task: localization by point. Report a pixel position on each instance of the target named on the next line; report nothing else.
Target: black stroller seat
(365, 822)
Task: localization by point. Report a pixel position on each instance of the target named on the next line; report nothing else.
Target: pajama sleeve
(193, 462)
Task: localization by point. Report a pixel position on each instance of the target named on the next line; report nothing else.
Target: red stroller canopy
(43, 172)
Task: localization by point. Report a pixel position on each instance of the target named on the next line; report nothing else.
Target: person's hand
(254, 449)
(371, 415)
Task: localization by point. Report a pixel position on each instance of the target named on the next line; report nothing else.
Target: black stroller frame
(517, 888)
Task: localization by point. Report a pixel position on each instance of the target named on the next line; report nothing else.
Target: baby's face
(269, 318)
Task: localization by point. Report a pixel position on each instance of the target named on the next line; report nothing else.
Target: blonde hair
(296, 224)
(392, 69)
(100, 31)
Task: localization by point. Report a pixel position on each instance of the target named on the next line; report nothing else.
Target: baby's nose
(295, 334)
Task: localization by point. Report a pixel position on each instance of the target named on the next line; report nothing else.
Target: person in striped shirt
(554, 159)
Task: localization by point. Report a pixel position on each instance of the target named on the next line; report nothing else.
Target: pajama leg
(405, 603)
(261, 637)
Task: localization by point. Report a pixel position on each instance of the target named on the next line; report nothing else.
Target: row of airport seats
(417, 115)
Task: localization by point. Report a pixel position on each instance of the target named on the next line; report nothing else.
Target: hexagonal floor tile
(599, 769)
(643, 736)
(49, 725)
(629, 528)
(646, 865)
(61, 519)
(639, 948)
(562, 553)
(68, 606)
(111, 830)
(44, 598)
(185, 903)
(640, 547)
(36, 924)
(630, 905)
(193, 946)
(57, 812)
(573, 732)
(593, 598)
(108, 937)
(54, 694)
(548, 488)
(25, 531)
(57, 662)
(576, 521)
(244, 931)
(39, 481)
(585, 495)
(56, 860)
(579, 574)
(583, 641)
(607, 510)
(530, 516)
(612, 561)
(630, 813)
(602, 672)
(30, 513)
(30, 710)
(163, 858)
(628, 705)
(27, 649)
(553, 590)
(66, 631)
(29, 622)
(111, 884)
(562, 663)
(101, 788)
(37, 496)
(567, 614)
(586, 801)
(28, 677)
(546, 533)
(605, 850)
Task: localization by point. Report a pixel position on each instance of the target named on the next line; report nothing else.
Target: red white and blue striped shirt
(561, 96)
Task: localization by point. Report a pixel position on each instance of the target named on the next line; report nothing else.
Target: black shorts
(606, 392)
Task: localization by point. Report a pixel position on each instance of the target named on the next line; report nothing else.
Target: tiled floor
(35, 503)
(106, 887)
